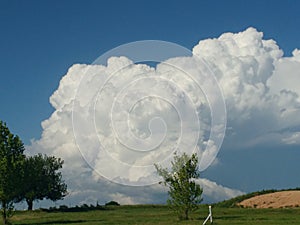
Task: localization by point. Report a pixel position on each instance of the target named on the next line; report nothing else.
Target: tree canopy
(11, 174)
(26, 178)
(43, 179)
(184, 193)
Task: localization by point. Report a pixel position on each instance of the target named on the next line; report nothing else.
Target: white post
(209, 217)
(210, 213)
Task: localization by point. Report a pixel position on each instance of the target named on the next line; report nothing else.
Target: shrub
(112, 203)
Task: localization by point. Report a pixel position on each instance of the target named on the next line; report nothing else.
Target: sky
(40, 42)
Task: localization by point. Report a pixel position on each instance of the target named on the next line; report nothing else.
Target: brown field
(282, 199)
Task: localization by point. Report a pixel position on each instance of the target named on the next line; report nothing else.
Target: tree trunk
(4, 220)
(4, 217)
(4, 214)
(186, 214)
(30, 204)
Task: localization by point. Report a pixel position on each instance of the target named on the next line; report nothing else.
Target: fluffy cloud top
(260, 87)
(261, 92)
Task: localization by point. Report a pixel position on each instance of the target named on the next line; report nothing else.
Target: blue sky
(40, 40)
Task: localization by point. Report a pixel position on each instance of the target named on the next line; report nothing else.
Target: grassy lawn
(159, 215)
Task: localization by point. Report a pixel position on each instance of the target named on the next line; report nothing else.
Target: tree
(42, 179)
(11, 162)
(184, 193)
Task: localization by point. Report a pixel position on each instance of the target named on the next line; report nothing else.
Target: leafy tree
(184, 193)
(11, 162)
(42, 179)
(112, 203)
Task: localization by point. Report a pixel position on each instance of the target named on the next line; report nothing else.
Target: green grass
(159, 215)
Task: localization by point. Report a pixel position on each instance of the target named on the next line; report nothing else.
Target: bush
(63, 207)
(112, 203)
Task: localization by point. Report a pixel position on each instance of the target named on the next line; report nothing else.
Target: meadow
(158, 215)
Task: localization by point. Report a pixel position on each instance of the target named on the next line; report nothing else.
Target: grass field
(159, 215)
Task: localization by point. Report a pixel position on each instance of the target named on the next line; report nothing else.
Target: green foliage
(11, 174)
(184, 193)
(43, 179)
(82, 208)
(31, 178)
(112, 203)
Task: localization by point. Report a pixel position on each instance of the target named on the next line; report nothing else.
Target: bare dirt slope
(279, 199)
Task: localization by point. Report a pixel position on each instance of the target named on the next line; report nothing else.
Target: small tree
(184, 193)
(42, 179)
(11, 174)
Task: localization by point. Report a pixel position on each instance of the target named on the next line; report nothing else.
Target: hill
(280, 199)
(266, 196)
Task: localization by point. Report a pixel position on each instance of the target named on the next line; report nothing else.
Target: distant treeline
(81, 208)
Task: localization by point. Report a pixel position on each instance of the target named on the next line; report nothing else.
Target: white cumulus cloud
(115, 121)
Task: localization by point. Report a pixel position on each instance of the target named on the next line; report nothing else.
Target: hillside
(280, 199)
(265, 199)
